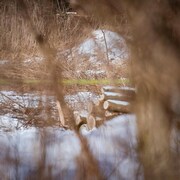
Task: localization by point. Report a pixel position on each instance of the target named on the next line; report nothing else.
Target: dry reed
(155, 70)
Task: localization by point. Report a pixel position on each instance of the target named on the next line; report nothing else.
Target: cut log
(99, 118)
(60, 112)
(91, 122)
(117, 106)
(123, 90)
(110, 114)
(80, 118)
(116, 96)
(90, 107)
(99, 121)
(98, 102)
(77, 117)
(97, 110)
(94, 121)
(94, 105)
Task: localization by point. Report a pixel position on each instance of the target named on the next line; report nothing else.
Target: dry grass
(34, 29)
(155, 69)
(46, 35)
(62, 32)
(60, 29)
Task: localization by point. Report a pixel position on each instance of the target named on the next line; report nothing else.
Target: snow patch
(113, 145)
(80, 100)
(107, 42)
(97, 51)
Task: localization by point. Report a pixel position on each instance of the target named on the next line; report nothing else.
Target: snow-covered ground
(113, 145)
(101, 49)
(107, 42)
(14, 104)
(21, 150)
(79, 101)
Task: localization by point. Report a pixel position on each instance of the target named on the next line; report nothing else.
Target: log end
(91, 122)
(106, 105)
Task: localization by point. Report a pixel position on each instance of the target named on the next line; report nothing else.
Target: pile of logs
(112, 102)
